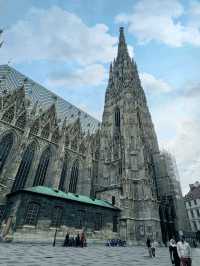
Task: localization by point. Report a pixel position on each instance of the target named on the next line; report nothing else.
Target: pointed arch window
(9, 115)
(42, 167)
(21, 121)
(82, 148)
(55, 136)
(74, 177)
(117, 117)
(6, 144)
(46, 131)
(35, 127)
(24, 168)
(63, 173)
(74, 144)
(66, 141)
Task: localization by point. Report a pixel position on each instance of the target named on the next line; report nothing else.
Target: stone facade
(46, 141)
(192, 202)
(34, 216)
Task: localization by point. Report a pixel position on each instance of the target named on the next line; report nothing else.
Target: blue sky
(67, 46)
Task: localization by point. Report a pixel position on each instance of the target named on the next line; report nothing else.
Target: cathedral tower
(127, 148)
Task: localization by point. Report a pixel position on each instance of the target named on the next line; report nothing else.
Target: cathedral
(62, 169)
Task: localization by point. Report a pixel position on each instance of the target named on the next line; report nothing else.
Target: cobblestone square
(36, 255)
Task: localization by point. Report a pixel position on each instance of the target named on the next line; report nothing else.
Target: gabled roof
(193, 194)
(69, 196)
(11, 79)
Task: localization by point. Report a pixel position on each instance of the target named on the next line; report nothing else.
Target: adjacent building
(192, 202)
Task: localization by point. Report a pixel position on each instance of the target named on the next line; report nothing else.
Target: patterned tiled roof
(11, 79)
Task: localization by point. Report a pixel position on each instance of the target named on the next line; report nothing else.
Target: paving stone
(37, 255)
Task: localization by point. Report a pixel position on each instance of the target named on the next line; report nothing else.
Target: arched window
(21, 121)
(55, 136)
(32, 213)
(24, 168)
(82, 148)
(74, 177)
(57, 216)
(117, 117)
(35, 127)
(45, 131)
(66, 141)
(42, 167)
(5, 147)
(74, 144)
(63, 173)
(9, 115)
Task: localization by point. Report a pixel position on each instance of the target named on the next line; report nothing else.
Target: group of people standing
(78, 241)
(180, 252)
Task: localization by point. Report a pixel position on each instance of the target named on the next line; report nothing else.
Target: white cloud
(90, 75)
(151, 84)
(55, 34)
(177, 124)
(162, 21)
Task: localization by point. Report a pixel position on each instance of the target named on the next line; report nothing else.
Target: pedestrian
(83, 240)
(77, 240)
(66, 242)
(173, 253)
(184, 252)
(148, 244)
(153, 248)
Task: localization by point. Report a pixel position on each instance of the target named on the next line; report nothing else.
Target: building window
(195, 202)
(98, 222)
(32, 213)
(189, 203)
(42, 168)
(115, 223)
(117, 117)
(192, 213)
(21, 121)
(56, 136)
(46, 131)
(2, 211)
(74, 177)
(195, 226)
(9, 115)
(63, 173)
(57, 216)
(81, 219)
(35, 127)
(198, 213)
(5, 147)
(120, 168)
(24, 168)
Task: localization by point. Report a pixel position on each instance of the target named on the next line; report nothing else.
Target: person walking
(184, 252)
(83, 240)
(173, 253)
(148, 244)
(153, 248)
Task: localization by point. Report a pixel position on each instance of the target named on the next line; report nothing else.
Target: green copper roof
(69, 196)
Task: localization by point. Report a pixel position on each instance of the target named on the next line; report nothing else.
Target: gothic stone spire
(122, 52)
(123, 71)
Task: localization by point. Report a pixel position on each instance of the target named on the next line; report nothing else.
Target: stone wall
(72, 218)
